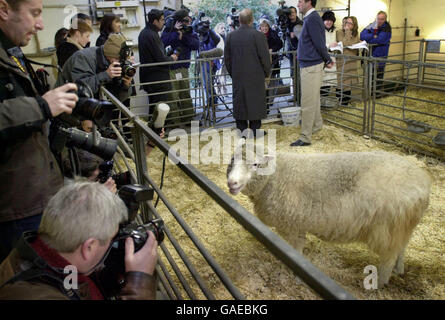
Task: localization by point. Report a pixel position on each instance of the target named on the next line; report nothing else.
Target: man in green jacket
(29, 174)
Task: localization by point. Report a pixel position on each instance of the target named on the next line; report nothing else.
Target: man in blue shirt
(312, 56)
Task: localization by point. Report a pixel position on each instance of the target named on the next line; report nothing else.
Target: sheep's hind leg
(400, 266)
(385, 270)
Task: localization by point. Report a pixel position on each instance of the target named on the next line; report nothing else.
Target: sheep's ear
(262, 160)
(240, 143)
(266, 158)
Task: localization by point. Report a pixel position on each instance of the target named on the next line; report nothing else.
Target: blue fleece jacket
(312, 43)
(188, 43)
(379, 37)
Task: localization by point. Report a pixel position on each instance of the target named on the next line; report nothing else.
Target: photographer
(208, 40)
(180, 36)
(100, 66)
(151, 50)
(29, 174)
(292, 33)
(69, 237)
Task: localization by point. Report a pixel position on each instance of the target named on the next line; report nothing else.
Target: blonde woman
(77, 39)
(347, 68)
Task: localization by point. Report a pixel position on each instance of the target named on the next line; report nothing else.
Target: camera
(282, 19)
(169, 51)
(125, 54)
(72, 137)
(233, 18)
(203, 27)
(173, 17)
(89, 108)
(132, 195)
(106, 172)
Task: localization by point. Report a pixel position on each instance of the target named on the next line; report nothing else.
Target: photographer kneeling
(69, 239)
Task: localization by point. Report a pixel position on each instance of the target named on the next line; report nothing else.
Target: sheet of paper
(360, 45)
(339, 47)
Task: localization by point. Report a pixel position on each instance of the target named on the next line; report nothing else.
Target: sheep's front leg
(299, 242)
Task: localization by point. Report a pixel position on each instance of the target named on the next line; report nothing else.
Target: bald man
(248, 62)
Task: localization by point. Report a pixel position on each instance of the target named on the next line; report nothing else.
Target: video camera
(232, 19)
(282, 19)
(202, 24)
(173, 17)
(132, 195)
(128, 68)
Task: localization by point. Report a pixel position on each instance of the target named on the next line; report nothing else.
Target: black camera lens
(88, 108)
(128, 70)
(106, 148)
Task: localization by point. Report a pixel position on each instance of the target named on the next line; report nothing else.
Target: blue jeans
(11, 231)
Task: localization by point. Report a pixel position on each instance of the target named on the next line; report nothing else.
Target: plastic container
(328, 102)
(291, 116)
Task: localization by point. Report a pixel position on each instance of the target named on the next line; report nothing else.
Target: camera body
(106, 172)
(89, 108)
(233, 18)
(125, 54)
(182, 16)
(203, 27)
(282, 19)
(132, 195)
(169, 51)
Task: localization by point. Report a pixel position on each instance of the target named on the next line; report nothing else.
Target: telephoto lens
(89, 108)
(103, 147)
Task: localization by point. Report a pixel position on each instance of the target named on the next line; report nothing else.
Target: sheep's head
(247, 169)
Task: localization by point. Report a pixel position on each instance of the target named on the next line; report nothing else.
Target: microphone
(212, 53)
(159, 116)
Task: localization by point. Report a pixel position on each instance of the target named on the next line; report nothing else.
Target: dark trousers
(254, 125)
(344, 97)
(380, 73)
(11, 231)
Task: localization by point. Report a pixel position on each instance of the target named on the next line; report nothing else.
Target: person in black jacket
(151, 50)
(111, 23)
(77, 39)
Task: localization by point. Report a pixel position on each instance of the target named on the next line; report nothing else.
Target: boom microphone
(212, 53)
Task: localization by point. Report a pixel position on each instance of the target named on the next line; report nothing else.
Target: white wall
(55, 12)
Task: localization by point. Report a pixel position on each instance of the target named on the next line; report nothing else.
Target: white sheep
(372, 197)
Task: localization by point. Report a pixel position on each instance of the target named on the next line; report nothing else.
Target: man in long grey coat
(248, 62)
